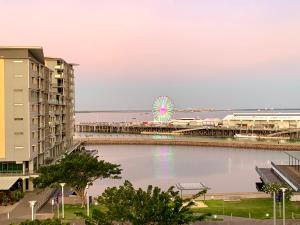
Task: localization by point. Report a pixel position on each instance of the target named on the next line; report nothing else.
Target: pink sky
(143, 40)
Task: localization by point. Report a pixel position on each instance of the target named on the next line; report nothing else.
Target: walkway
(227, 220)
(23, 211)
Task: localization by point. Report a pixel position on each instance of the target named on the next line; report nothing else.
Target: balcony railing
(59, 67)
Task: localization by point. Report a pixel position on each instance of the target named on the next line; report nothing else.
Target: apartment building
(61, 106)
(36, 124)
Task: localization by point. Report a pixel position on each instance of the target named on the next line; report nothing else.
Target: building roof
(36, 51)
(7, 182)
(57, 58)
(263, 116)
(191, 186)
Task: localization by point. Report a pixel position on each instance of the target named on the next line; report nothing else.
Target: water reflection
(163, 162)
(221, 169)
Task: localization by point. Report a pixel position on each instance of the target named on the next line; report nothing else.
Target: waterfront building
(185, 122)
(263, 120)
(61, 106)
(29, 96)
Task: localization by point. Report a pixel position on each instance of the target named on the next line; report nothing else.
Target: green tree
(77, 170)
(138, 207)
(270, 188)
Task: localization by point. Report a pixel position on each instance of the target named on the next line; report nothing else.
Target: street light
(274, 208)
(283, 205)
(32, 203)
(62, 199)
(87, 201)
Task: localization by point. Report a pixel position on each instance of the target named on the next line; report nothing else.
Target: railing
(16, 173)
(59, 67)
(286, 177)
(53, 101)
(48, 192)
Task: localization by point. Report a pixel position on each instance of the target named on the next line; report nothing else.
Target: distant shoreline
(184, 110)
(181, 142)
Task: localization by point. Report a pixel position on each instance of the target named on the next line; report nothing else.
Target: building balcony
(59, 67)
(58, 85)
(59, 75)
(53, 101)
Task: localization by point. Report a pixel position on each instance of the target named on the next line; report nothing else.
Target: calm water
(221, 169)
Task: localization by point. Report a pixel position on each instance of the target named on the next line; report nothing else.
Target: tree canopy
(270, 188)
(77, 170)
(126, 204)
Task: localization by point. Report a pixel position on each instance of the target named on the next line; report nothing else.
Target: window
(19, 147)
(19, 133)
(18, 104)
(33, 148)
(18, 90)
(18, 118)
(18, 61)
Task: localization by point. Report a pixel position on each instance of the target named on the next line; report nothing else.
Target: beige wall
(2, 112)
(17, 106)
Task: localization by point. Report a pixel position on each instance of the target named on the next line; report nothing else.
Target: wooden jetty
(220, 131)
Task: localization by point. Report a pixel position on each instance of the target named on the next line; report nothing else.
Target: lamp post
(274, 208)
(52, 204)
(87, 201)
(62, 200)
(32, 203)
(283, 205)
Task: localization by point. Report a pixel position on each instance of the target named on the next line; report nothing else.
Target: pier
(204, 131)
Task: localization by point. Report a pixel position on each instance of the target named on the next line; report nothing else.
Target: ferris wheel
(163, 109)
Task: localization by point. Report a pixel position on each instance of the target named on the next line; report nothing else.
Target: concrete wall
(17, 127)
(2, 111)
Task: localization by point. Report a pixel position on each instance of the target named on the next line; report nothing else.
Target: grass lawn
(70, 211)
(257, 208)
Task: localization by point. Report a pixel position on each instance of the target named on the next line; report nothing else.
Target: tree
(77, 170)
(138, 207)
(270, 188)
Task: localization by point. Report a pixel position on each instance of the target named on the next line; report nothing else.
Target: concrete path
(227, 220)
(22, 210)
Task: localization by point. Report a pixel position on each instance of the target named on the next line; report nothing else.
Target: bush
(5, 200)
(43, 222)
(17, 195)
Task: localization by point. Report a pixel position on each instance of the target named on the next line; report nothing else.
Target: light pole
(52, 204)
(274, 208)
(87, 201)
(32, 203)
(62, 200)
(283, 205)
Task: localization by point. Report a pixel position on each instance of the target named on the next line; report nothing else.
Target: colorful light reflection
(164, 162)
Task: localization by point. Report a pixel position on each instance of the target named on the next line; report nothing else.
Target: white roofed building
(263, 120)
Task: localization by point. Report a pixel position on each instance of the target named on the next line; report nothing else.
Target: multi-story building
(31, 102)
(61, 105)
